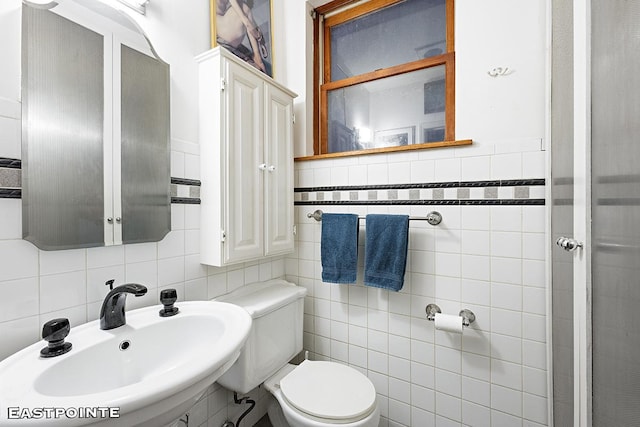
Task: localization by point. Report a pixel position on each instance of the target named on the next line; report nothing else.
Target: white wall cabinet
(246, 155)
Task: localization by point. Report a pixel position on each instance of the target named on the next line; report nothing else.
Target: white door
(245, 165)
(279, 176)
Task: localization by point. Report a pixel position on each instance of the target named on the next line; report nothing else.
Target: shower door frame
(582, 280)
(581, 258)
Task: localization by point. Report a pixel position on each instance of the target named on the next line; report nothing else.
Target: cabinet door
(64, 126)
(145, 202)
(279, 177)
(245, 165)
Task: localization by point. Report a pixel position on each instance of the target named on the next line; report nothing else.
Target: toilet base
(291, 417)
(276, 416)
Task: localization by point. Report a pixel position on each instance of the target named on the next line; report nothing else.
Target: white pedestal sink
(147, 372)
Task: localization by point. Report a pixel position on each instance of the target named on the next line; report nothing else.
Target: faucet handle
(167, 298)
(110, 283)
(54, 332)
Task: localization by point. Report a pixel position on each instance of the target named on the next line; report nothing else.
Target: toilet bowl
(321, 394)
(312, 394)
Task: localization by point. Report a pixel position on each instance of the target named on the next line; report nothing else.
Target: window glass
(398, 34)
(401, 110)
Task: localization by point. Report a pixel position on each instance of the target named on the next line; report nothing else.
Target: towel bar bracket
(433, 218)
(317, 215)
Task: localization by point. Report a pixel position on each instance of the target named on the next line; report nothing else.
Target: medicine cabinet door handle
(272, 168)
(262, 166)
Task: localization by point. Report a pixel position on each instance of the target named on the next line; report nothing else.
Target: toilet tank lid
(264, 297)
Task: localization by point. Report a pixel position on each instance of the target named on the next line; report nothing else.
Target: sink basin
(151, 370)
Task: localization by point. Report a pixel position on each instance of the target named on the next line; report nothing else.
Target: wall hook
(500, 71)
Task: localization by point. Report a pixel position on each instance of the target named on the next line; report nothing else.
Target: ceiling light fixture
(139, 6)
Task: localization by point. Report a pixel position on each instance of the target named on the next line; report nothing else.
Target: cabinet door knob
(271, 168)
(110, 220)
(262, 166)
(118, 219)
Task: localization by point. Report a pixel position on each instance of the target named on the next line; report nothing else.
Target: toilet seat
(329, 390)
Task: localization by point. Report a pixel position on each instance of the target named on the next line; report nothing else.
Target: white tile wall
(37, 286)
(489, 259)
(471, 277)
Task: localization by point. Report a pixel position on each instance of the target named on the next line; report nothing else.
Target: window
(385, 76)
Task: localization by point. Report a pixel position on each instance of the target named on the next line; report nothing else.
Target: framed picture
(244, 28)
(432, 132)
(434, 96)
(395, 137)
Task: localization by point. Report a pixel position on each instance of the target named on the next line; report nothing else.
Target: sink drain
(125, 345)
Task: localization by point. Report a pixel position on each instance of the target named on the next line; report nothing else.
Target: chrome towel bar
(433, 218)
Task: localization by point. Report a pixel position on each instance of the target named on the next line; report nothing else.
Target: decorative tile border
(495, 192)
(450, 184)
(10, 193)
(503, 202)
(10, 178)
(183, 190)
(186, 200)
(186, 181)
(10, 163)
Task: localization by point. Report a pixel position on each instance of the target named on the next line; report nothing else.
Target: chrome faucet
(112, 311)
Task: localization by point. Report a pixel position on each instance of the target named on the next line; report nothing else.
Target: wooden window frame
(322, 74)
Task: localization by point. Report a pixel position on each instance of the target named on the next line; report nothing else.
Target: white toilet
(312, 394)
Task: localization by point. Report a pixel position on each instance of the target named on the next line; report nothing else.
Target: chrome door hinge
(295, 230)
(224, 236)
(294, 118)
(223, 84)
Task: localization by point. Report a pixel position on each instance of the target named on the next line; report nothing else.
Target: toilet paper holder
(467, 315)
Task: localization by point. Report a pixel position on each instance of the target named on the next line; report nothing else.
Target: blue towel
(339, 248)
(385, 255)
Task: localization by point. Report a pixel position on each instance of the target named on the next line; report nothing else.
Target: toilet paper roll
(449, 323)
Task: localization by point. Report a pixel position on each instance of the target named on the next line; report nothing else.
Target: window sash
(322, 28)
(447, 59)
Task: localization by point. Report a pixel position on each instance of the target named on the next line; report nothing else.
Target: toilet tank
(277, 310)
